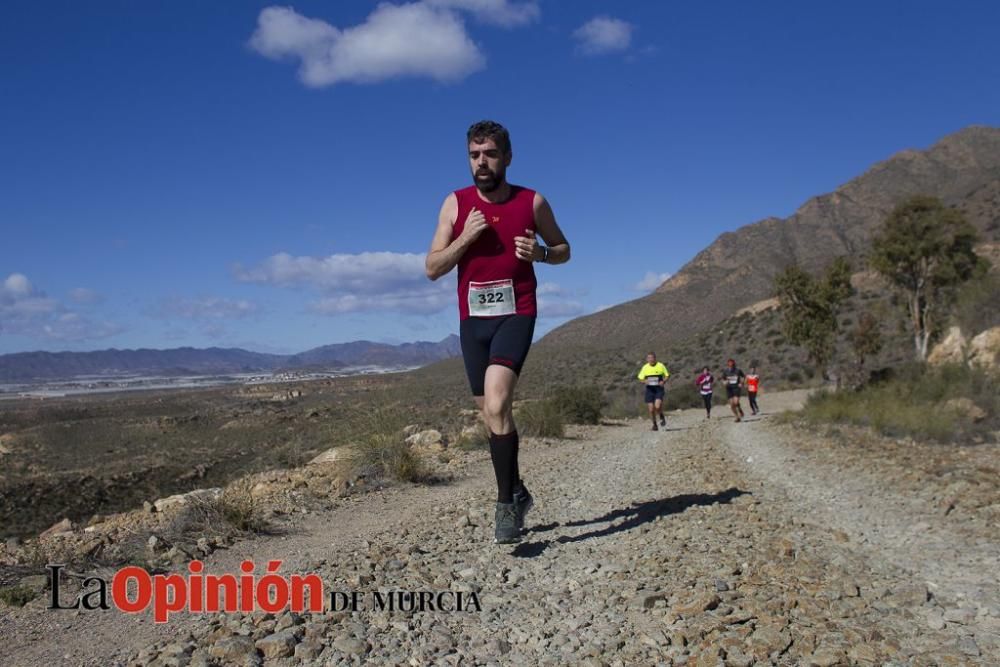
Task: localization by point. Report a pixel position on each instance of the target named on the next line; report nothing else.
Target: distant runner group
(654, 376)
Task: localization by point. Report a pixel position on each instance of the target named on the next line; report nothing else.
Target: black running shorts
(732, 391)
(494, 340)
(654, 394)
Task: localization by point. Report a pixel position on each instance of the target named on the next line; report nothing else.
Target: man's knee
(496, 407)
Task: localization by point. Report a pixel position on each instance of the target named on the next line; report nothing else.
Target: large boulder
(335, 455)
(951, 350)
(984, 350)
(61, 528)
(427, 438)
(966, 409)
(181, 499)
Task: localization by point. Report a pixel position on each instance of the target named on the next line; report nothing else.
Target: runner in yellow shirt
(654, 375)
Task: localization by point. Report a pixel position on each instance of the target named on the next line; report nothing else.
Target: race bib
(653, 381)
(492, 298)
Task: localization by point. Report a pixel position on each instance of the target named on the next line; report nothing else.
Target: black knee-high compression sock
(517, 468)
(503, 452)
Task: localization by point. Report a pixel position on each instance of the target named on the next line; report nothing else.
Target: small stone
(279, 645)
(960, 616)
(935, 620)
(786, 548)
(646, 600)
(721, 586)
(698, 605)
(499, 647)
(308, 650)
(233, 649)
(968, 646)
(827, 657)
(155, 544)
(863, 653)
(350, 645)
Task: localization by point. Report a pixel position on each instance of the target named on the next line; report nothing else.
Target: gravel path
(708, 543)
(904, 530)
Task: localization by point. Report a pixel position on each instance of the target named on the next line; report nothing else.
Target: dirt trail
(890, 527)
(708, 543)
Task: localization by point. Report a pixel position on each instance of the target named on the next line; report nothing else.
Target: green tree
(866, 341)
(926, 251)
(809, 307)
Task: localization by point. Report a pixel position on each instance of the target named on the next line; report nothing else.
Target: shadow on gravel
(640, 513)
(530, 549)
(544, 528)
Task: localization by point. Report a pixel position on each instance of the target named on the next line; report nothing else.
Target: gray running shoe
(506, 519)
(524, 502)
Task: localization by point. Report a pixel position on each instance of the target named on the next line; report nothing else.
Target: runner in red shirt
(753, 384)
(704, 383)
(489, 232)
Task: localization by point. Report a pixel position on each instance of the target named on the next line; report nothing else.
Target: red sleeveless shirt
(491, 257)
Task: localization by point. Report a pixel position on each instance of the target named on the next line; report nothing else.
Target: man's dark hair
(488, 129)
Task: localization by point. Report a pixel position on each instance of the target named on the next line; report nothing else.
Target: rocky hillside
(736, 271)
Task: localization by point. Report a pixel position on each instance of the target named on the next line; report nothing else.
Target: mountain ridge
(737, 268)
(42, 365)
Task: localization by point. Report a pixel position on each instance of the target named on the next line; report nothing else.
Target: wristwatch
(545, 254)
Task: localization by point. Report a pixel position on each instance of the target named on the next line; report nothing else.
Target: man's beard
(492, 182)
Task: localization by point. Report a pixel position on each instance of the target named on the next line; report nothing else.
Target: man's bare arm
(445, 252)
(548, 229)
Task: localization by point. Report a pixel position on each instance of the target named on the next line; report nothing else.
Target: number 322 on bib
(492, 298)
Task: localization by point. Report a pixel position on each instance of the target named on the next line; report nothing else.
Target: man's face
(488, 164)
(650, 359)
(731, 365)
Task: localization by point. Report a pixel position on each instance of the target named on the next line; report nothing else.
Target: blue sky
(179, 173)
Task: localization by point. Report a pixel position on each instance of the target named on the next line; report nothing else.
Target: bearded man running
(489, 231)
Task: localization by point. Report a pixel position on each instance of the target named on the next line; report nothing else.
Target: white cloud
(603, 34)
(554, 300)
(544, 289)
(27, 311)
(16, 285)
(415, 39)
(367, 272)
(549, 308)
(83, 295)
(425, 300)
(210, 308)
(651, 281)
(495, 12)
(367, 281)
